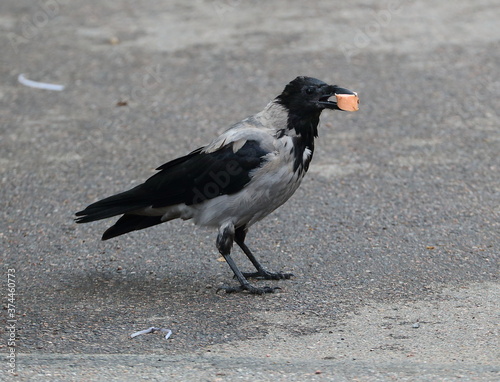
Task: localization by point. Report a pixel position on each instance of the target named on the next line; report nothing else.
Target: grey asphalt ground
(393, 237)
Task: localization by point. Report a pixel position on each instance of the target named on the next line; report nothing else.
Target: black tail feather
(129, 223)
(118, 204)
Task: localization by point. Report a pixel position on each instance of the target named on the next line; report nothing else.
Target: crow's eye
(309, 91)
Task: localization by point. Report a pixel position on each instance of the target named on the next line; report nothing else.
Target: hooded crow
(236, 180)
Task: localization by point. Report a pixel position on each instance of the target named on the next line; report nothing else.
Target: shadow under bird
(236, 180)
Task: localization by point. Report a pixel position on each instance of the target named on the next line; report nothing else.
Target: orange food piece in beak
(347, 102)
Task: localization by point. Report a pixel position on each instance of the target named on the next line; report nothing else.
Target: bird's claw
(266, 275)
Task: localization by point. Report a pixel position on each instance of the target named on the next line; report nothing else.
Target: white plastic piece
(39, 85)
(152, 330)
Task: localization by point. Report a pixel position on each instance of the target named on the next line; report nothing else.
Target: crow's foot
(266, 275)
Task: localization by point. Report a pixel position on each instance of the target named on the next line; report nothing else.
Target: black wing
(190, 179)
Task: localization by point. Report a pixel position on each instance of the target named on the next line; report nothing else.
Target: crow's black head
(309, 95)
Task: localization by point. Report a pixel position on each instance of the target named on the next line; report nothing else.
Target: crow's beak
(345, 99)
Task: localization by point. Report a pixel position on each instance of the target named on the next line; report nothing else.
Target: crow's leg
(224, 243)
(261, 273)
